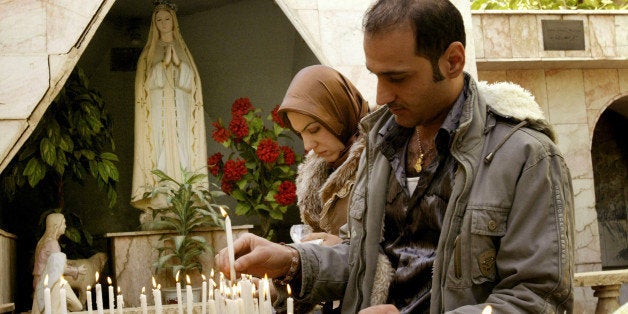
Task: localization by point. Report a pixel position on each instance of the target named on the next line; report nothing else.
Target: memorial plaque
(563, 34)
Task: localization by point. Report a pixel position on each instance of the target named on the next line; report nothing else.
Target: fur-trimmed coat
(323, 197)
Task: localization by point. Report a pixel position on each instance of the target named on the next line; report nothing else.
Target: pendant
(418, 165)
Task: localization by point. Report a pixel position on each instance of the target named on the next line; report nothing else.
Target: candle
(203, 295)
(230, 250)
(143, 303)
(47, 299)
(88, 295)
(246, 293)
(188, 294)
(99, 304)
(290, 301)
(120, 301)
(487, 310)
(179, 298)
(157, 297)
(111, 296)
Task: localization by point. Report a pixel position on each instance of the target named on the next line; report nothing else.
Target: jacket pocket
(356, 212)
(487, 227)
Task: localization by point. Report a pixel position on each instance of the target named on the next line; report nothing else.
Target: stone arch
(609, 154)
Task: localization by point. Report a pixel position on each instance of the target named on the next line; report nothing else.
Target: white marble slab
(22, 85)
(22, 27)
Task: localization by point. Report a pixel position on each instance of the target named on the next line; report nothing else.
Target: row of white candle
(238, 298)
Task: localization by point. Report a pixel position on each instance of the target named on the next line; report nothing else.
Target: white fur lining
(511, 100)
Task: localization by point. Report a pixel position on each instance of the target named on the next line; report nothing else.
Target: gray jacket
(507, 234)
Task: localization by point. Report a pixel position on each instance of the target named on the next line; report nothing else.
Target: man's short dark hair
(436, 24)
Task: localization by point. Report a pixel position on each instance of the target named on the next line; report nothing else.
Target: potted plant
(259, 173)
(188, 206)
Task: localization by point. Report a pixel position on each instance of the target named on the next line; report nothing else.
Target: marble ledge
(549, 12)
(495, 64)
(154, 232)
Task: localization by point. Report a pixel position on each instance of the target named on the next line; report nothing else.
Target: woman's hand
(328, 239)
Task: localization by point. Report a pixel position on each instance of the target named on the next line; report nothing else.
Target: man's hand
(380, 309)
(256, 256)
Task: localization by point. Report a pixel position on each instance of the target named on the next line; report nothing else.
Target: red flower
(220, 134)
(288, 155)
(226, 186)
(215, 163)
(287, 193)
(276, 118)
(240, 107)
(267, 151)
(234, 170)
(239, 127)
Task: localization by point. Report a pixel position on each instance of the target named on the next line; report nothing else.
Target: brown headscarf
(328, 97)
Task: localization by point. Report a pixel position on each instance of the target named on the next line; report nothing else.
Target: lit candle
(211, 304)
(246, 293)
(88, 295)
(120, 301)
(290, 301)
(157, 297)
(203, 294)
(229, 245)
(99, 303)
(188, 294)
(143, 303)
(487, 310)
(111, 296)
(47, 300)
(179, 298)
(63, 303)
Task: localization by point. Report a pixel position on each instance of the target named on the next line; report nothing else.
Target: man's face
(404, 79)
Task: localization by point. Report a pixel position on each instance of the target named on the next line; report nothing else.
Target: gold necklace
(418, 165)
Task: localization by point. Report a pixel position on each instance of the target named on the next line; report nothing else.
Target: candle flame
(222, 211)
(154, 283)
(289, 290)
(89, 288)
(265, 276)
(487, 310)
(118, 289)
(203, 276)
(177, 276)
(109, 280)
(187, 279)
(158, 286)
(46, 281)
(211, 273)
(143, 290)
(97, 276)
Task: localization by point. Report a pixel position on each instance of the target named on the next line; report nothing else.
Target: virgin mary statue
(169, 120)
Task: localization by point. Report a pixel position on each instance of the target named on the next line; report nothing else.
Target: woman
(324, 109)
(169, 120)
(49, 244)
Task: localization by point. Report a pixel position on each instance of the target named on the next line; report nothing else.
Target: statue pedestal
(134, 253)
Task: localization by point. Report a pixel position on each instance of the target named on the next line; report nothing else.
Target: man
(461, 199)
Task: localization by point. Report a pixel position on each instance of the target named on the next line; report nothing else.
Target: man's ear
(452, 61)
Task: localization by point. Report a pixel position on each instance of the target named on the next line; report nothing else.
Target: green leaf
(109, 156)
(47, 151)
(73, 234)
(35, 171)
(242, 209)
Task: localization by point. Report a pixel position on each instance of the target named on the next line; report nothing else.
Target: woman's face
(163, 21)
(316, 137)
